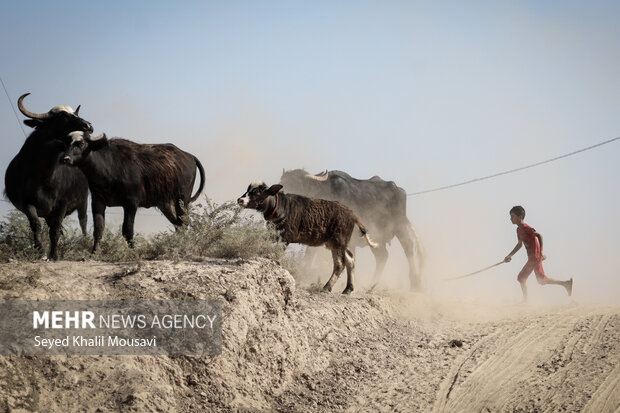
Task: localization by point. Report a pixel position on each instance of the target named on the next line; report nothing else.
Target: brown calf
(312, 222)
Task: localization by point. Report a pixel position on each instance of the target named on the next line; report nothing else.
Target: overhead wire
(12, 107)
(441, 188)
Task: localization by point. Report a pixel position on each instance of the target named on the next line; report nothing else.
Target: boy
(534, 246)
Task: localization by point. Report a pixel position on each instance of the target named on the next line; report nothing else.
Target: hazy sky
(423, 93)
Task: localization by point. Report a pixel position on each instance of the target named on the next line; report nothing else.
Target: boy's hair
(518, 211)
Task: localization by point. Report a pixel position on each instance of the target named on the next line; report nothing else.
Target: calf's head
(59, 120)
(257, 195)
(78, 145)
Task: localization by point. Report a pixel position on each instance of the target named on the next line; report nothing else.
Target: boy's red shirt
(525, 233)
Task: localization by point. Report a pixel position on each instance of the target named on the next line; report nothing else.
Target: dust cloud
(461, 230)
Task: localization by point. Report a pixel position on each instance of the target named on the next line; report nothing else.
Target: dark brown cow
(132, 175)
(312, 222)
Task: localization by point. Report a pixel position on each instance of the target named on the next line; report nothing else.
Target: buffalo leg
(55, 224)
(405, 238)
(349, 262)
(170, 212)
(338, 256)
(98, 207)
(381, 256)
(83, 216)
(129, 212)
(182, 209)
(35, 225)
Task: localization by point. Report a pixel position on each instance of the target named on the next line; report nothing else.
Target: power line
(12, 107)
(514, 170)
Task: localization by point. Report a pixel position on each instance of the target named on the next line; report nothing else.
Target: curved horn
(321, 178)
(26, 112)
(77, 110)
(96, 138)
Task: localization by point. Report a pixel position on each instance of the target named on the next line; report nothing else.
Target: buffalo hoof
(417, 287)
(326, 289)
(348, 290)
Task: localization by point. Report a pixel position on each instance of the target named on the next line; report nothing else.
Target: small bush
(210, 230)
(16, 239)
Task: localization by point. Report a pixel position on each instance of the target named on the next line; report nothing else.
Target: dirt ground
(292, 350)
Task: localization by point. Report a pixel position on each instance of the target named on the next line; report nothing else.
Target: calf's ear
(273, 189)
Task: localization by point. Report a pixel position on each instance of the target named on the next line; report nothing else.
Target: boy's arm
(514, 251)
(540, 242)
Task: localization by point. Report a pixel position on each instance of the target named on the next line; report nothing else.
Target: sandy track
(524, 358)
(556, 362)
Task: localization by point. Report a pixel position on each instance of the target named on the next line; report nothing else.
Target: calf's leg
(339, 259)
(349, 262)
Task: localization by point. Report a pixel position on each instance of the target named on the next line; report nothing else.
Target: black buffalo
(382, 205)
(35, 181)
(132, 175)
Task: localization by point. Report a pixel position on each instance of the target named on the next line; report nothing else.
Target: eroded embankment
(262, 346)
(274, 339)
(289, 350)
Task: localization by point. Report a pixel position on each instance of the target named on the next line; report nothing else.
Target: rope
(12, 107)
(514, 170)
(473, 273)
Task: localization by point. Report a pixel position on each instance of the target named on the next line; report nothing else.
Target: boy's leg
(544, 280)
(522, 277)
(523, 290)
(568, 284)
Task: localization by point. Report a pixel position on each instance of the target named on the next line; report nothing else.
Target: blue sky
(423, 93)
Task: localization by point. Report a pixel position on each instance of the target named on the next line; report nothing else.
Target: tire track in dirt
(545, 363)
(607, 397)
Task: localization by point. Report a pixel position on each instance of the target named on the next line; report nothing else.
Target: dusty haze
(462, 229)
(361, 88)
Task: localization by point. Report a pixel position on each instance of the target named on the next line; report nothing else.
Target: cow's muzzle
(67, 160)
(242, 201)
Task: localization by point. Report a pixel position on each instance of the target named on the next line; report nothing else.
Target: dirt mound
(262, 349)
(292, 350)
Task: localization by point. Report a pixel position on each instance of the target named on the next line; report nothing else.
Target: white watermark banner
(180, 327)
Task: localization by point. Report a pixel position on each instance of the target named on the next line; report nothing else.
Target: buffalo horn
(27, 113)
(96, 138)
(77, 110)
(321, 178)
